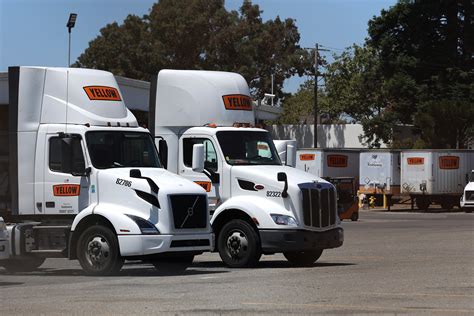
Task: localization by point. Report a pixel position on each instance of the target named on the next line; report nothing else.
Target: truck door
(211, 164)
(66, 191)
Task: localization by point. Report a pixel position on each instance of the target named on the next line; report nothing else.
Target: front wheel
(303, 258)
(22, 265)
(98, 251)
(355, 217)
(239, 244)
(175, 265)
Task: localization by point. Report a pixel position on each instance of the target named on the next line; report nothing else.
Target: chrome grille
(319, 204)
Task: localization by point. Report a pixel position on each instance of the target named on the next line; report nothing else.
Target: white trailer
(84, 181)
(329, 163)
(435, 176)
(257, 205)
(379, 172)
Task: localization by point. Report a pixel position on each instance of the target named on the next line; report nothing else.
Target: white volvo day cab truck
(84, 181)
(258, 205)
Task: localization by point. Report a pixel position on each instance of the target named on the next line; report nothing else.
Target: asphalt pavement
(390, 263)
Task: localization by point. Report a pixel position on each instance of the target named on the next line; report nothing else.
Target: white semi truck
(84, 181)
(467, 199)
(257, 204)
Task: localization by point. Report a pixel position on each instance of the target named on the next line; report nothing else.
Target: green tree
(201, 34)
(416, 67)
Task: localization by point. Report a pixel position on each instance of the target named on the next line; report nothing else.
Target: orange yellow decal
(449, 162)
(415, 161)
(237, 102)
(205, 185)
(337, 161)
(66, 189)
(102, 93)
(307, 156)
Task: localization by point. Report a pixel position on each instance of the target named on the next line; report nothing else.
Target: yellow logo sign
(102, 93)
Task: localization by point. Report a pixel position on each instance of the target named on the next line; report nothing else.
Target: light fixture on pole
(70, 24)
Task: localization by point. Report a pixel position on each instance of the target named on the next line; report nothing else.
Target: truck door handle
(50, 204)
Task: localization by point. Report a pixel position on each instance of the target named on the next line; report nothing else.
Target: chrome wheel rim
(98, 252)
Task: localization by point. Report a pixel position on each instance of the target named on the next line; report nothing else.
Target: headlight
(145, 226)
(3, 226)
(284, 220)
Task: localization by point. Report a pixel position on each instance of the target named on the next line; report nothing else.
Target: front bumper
(274, 240)
(142, 245)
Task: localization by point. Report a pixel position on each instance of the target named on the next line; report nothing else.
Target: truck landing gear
(239, 244)
(98, 251)
(303, 258)
(22, 265)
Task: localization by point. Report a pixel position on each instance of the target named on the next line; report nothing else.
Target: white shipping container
(435, 172)
(379, 171)
(329, 162)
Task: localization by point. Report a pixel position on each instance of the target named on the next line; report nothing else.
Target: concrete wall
(329, 136)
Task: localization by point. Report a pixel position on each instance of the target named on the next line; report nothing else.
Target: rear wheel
(423, 203)
(303, 258)
(98, 251)
(355, 216)
(447, 205)
(239, 244)
(175, 265)
(22, 265)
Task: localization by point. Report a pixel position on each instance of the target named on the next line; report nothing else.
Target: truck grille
(469, 196)
(319, 204)
(189, 210)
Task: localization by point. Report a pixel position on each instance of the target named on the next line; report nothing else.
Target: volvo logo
(190, 212)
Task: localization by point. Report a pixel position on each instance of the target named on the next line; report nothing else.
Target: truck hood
(166, 181)
(267, 175)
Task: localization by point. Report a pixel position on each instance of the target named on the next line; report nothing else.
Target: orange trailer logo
(102, 93)
(449, 162)
(66, 190)
(305, 157)
(205, 185)
(337, 161)
(237, 102)
(416, 161)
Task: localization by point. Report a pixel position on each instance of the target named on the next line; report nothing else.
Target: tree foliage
(416, 67)
(201, 34)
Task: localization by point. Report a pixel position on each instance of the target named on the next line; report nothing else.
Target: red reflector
(259, 187)
(124, 231)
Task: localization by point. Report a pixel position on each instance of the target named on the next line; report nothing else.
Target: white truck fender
(255, 207)
(122, 224)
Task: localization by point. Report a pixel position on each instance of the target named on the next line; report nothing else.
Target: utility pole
(315, 107)
(70, 24)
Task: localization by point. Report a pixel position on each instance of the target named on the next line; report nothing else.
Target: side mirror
(290, 156)
(163, 152)
(198, 158)
(281, 176)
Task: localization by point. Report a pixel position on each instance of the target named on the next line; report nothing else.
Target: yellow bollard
(384, 201)
(372, 201)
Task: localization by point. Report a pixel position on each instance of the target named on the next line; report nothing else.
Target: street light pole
(70, 24)
(315, 106)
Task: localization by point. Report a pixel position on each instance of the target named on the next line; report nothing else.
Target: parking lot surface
(390, 263)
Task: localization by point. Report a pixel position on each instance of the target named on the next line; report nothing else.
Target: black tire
(447, 205)
(355, 216)
(175, 265)
(239, 244)
(22, 265)
(423, 203)
(98, 251)
(303, 258)
(468, 210)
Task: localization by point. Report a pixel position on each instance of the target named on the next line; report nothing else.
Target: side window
(63, 157)
(210, 156)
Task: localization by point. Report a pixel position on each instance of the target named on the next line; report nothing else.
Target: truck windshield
(248, 148)
(115, 149)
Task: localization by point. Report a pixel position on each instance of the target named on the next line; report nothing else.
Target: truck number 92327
(273, 194)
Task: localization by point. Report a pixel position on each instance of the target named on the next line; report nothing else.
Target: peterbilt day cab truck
(84, 181)
(258, 206)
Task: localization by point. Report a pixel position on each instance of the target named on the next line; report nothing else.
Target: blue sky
(33, 32)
